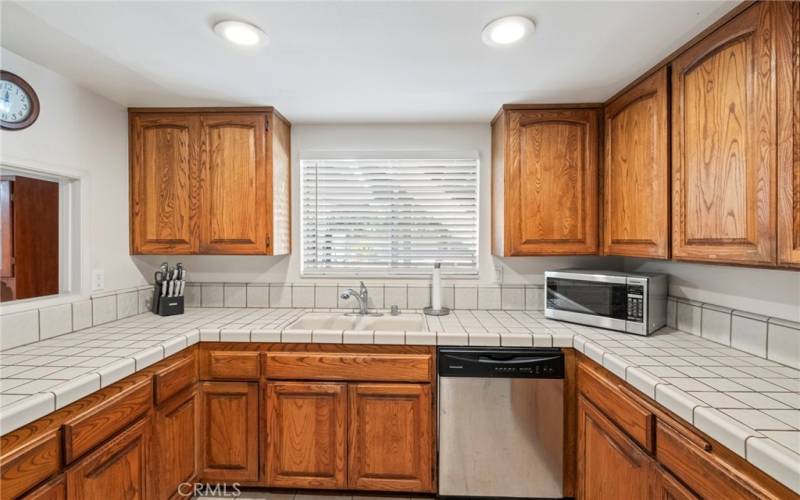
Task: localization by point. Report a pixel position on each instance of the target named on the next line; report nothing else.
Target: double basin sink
(338, 321)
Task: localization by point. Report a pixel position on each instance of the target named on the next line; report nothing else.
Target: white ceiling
(341, 62)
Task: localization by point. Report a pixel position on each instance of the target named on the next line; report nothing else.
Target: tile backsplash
(772, 338)
(768, 337)
(381, 296)
(35, 324)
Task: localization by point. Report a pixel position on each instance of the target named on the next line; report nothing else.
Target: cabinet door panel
(789, 134)
(175, 444)
(306, 437)
(610, 465)
(235, 194)
(552, 179)
(164, 197)
(230, 431)
(724, 143)
(390, 444)
(636, 216)
(118, 469)
(669, 488)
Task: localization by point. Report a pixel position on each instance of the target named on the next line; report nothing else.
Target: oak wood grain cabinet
(175, 444)
(671, 460)
(788, 133)
(209, 181)
(724, 143)
(610, 464)
(164, 177)
(117, 469)
(636, 171)
(306, 437)
(669, 488)
(389, 437)
(55, 489)
(229, 432)
(545, 181)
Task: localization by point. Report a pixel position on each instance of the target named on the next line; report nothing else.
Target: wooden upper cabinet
(390, 437)
(544, 181)
(610, 465)
(235, 195)
(788, 133)
(210, 181)
(636, 176)
(306, 435)
(229, 431)
(724, 143)
(164, 177)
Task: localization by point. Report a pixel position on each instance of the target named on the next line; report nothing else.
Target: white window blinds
(389, 216)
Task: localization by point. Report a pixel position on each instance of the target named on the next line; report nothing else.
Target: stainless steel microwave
(632, 303)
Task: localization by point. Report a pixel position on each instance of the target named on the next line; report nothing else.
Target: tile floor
(292, 495)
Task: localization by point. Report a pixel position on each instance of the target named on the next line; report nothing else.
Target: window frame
(362, 155)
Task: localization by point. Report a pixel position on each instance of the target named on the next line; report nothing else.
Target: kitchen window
(394, 216)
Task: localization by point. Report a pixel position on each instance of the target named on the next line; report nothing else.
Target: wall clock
(19, 105)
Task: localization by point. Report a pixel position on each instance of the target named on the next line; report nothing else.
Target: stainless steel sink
(338, 321)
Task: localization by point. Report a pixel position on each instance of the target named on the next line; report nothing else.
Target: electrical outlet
(98, 280)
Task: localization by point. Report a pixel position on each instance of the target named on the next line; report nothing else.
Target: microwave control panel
(636, 303)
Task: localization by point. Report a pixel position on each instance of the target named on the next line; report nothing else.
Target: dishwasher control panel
(501, 363)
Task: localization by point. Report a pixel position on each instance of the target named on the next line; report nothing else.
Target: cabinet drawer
(174, 378)
(228, 365)
(356, 367)
(30, 465)
(690, 458)
(619, 403)
(88, 430)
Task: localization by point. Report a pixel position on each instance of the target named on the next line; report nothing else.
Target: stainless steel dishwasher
(501, 422)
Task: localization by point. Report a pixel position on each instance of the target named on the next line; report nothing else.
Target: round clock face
(19, 106)
(15, 103)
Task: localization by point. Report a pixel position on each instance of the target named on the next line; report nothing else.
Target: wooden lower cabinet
(306, 435)
(55, 489)
(389, 441)
(610, 464)
(175, 444)
(669, 488)
(229, 433)
(117, 470)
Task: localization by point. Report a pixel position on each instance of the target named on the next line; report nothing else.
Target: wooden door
(236, 199)
(165, 198)
(723, 143)
(789, 133)
(118, 469)
(551, 182)
(229, 433)
(636, 177)
(35, 208)
(175, 444)
(669, 488)
(390, 444)
(610, 465)
(306, 435)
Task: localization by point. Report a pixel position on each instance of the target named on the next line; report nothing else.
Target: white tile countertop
(748, 403)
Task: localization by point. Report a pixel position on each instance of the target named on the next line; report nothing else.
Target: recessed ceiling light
(506, 31)
(241, 33)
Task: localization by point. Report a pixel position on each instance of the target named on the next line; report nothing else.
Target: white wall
(80, 131)
(456, 137)
(764, 291)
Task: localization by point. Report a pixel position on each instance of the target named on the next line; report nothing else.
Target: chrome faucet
(362, 296)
